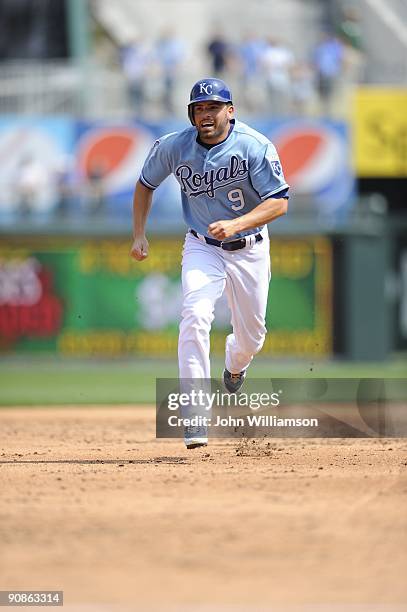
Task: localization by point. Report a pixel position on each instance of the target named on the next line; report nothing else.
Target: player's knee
(258, 345)
(253, 344)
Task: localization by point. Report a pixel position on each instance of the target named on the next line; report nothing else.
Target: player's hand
(222, 229)
(139, 250)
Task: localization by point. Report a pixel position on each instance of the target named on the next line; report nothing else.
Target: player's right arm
(141, 207)
(156, 168)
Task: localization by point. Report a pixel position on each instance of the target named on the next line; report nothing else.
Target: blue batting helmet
(208, 89)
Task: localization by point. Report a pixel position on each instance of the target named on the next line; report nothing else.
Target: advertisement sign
(380, 132)
(81, 168)
(113, 155)
(89, 298)
(33, 154)
(315, 155)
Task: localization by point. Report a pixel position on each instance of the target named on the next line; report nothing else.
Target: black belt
(233, 245)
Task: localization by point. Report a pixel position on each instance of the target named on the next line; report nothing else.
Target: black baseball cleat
(195, 437)
(233, 382)
(192, 445)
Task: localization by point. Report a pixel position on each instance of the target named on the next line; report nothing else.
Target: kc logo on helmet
(205, 88)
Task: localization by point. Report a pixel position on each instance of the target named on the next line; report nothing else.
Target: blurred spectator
(32, 183)
(250, 52)
(170, 52)
(218, 50)
(95, 193)
(302, 88)
(328, 63)
(278, 61)
(350, 33)
(136, 58)
(64, 186)
(349, 28)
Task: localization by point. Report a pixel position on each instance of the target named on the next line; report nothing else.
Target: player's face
(212, 120)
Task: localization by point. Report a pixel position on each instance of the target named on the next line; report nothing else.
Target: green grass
(46, 381)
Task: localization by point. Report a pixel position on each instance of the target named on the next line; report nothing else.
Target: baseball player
(232, 185)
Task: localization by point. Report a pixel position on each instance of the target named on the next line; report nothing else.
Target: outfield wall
(87, 297)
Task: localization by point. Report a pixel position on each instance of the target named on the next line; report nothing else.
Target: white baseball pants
(206, 271)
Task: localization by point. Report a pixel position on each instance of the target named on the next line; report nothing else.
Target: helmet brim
(206, 98)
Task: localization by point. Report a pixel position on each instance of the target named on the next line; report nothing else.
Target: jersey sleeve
(157, 165)
(266, 173)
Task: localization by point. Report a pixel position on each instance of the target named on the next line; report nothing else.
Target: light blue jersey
(224, 182)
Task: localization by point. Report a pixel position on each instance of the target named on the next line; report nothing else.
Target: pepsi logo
(117, 154)
(312, 156)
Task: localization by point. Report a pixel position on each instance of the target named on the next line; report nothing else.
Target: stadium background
(85, 90)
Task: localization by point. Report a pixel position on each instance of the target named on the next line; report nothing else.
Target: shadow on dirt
(153, 460)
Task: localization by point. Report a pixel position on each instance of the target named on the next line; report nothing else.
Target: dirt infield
(91, 503)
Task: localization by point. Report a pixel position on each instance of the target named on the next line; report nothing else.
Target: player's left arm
(266, 212)
(267, 178)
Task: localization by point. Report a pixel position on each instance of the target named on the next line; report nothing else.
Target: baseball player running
(232, 185)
